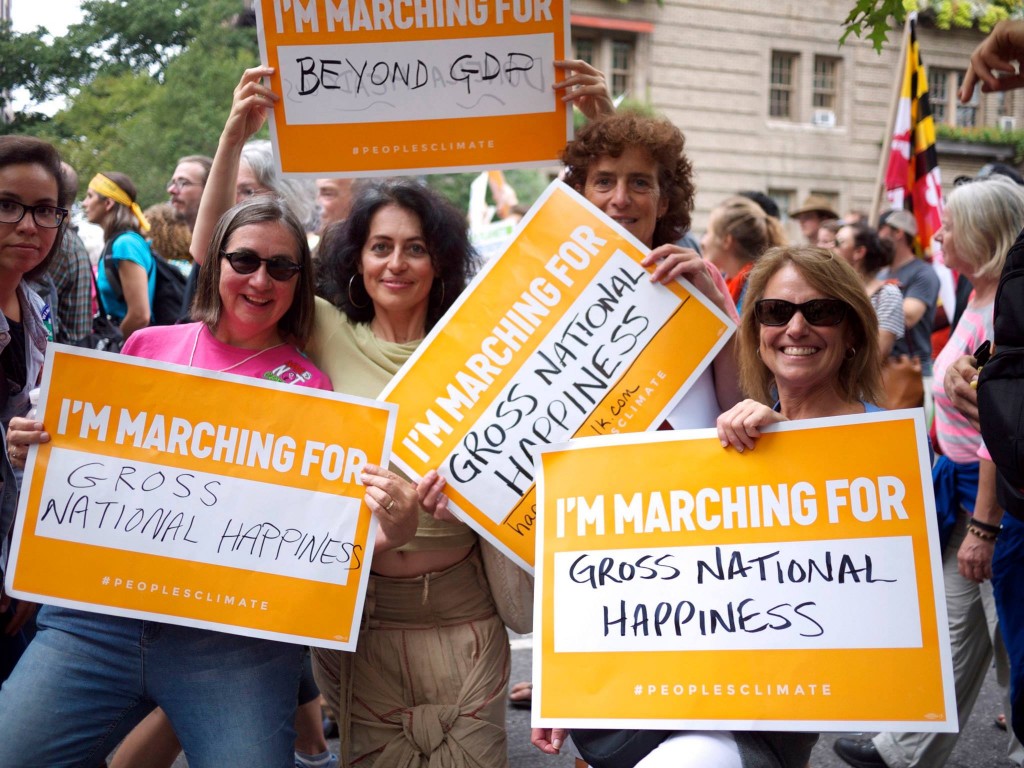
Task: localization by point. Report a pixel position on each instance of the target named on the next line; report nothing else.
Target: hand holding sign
(585, 87)
(22, 433)
(393, 501)
(249, 105)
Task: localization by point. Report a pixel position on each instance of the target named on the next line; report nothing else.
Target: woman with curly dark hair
(346, 279)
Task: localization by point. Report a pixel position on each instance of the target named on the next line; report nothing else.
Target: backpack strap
(108, 265)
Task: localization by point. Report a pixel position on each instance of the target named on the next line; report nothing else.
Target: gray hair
(986, 216)
(298, 194)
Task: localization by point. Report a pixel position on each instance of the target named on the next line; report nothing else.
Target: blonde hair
(169, 232)
(753, 230)
(986, 216)
(860, 375)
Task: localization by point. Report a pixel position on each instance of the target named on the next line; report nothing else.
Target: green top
(361, 364)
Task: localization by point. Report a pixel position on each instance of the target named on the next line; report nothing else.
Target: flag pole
(894, 103)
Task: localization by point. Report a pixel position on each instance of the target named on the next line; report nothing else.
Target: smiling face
(24, 245)
(626, 189)
(803, 358)
(253, 304)
(396, 267)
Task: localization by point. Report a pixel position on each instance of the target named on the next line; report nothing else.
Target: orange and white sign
(383, 87)
(199, 498)
(681, 585)
(563, 335)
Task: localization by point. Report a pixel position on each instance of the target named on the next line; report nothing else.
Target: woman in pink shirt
(231, 699)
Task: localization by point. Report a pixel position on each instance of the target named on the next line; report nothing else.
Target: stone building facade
(767, 98)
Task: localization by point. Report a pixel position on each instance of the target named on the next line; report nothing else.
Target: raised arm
(585, 86)
(993, 61)
(249, 107)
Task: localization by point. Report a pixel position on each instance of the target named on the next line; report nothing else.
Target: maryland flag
(912, 176)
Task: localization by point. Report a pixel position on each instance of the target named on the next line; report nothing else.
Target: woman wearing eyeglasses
(32, 222)
(230, 699)
(127, 282)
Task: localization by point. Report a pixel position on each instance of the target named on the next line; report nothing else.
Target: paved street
(981, 745)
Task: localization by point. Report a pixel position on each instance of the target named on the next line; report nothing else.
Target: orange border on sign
(673, 358)
(441, 145)
(72, 573)
(596, 689)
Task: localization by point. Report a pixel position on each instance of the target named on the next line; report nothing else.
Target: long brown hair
(860, 375)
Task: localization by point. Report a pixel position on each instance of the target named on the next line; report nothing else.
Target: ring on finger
(390, 504)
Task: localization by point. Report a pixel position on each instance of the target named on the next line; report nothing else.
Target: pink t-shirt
(959, 441)
(195, 346)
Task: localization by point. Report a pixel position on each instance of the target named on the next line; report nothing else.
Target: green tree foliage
(145, 82)
(875, 18)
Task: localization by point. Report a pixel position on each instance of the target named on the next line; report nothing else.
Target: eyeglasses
(279, 268)
(176, 185)
(821, 312)
(45, 216)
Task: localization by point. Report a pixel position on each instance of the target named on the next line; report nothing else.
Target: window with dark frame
(782, 85)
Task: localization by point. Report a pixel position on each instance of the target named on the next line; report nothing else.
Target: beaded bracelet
(994, 529)
(984, 536)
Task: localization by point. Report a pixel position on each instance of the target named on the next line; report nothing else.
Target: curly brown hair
(169, 232)
(613, 135)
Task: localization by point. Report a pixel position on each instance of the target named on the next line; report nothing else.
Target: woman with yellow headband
(110, 203)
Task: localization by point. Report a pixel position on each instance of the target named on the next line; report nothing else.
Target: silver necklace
(195, 344)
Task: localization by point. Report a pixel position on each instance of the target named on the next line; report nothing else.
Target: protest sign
(395, 87)
(199, 498)
(563, 335)
(681, 585)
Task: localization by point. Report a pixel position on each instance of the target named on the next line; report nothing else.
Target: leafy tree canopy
(144, 82)
(875, 18)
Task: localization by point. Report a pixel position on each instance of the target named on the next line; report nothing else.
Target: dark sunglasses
(775, 312)
(279, 268)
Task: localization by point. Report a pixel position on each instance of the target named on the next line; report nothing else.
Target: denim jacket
(37, 333)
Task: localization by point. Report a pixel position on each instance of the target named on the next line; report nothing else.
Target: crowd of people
(343, 280)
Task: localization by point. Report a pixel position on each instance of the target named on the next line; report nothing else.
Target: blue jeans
(1007, 583)
(87, 679)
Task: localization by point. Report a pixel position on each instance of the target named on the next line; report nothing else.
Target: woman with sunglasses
(979, 224)
(111, 203)
(808, 343)
(33, 193)
(432, 650)
(807, 334)
(231, 699)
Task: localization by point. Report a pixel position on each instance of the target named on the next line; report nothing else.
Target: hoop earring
(351, 300)
(851, 353)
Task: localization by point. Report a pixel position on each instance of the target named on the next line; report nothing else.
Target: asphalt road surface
(981, 744)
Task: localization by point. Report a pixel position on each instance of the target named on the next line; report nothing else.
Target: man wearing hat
(920, 286)
(815, 211)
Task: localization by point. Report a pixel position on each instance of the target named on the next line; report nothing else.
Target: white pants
(695, 749)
